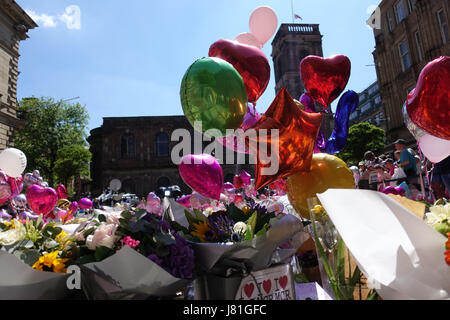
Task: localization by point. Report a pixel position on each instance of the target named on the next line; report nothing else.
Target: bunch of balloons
(426, 111)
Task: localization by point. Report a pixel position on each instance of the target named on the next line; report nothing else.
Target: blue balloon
(405, 187)
(347, 104)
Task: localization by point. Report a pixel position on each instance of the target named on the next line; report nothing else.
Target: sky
(127, 58)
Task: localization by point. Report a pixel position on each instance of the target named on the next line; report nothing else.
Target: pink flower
(104, 236)
(129, 242)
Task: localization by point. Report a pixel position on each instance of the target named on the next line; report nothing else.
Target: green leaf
(190, 218)
(251, 222)
(248, 233)
(199, 215)
(178, 227)
(263, 230)
(86, 259)
(261, 221)
(88, 232)
(236, 214)
(102, 253)
(372, 296)
(140, 213)
(101, 218)
(165, 239)
(28, 256)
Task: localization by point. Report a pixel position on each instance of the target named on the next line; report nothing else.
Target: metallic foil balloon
(347, 104)
(279, 186)
(325, 78)
(200, 202)
(428, 105)
(16, 185)
(213, 93)
(356, 174)
(434, 148)
(28, 215)
(61, 191)
(290, 148)
(73, 207)
(153, 204)
(41, 200)
(5, 188)
(30, 179)
(242, 180)
(85, 203)
(185, 201)
(249, 61)
(203, 174)
(326, 172)
(236, 142)
(4, 215)
(228, 186)
(394, 190)
(308, 104)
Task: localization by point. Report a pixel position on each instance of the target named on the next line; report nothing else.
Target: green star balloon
(213, 93)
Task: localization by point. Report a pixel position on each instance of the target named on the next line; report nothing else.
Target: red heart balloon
(428, 105)
(16, 185)
(325, 78)
(61, 191)
(41, 200)
(249, 61)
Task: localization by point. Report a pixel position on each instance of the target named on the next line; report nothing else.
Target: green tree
(71, 161)
(51, 126)
(363, 137)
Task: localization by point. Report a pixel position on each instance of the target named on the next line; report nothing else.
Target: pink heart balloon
(185, 201)
(61, 191)
(41, 200)
(16, 185)
(203, 174)
(85, 203)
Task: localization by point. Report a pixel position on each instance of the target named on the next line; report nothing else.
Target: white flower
(437, 214)
(208, 211)
(104, 235)
(240, 227)
(13, 235)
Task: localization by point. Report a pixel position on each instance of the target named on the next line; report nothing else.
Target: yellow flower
(200, 230)
(62, 238)
(51, 261)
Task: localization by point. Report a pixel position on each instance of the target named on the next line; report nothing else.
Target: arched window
(162, 182)
(128, 149)
(162, 145)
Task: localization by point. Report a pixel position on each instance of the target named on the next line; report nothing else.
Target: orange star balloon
(280, 154)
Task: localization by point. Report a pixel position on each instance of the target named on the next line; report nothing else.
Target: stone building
(413, 33)
(291, 44)
(137, 151)
(14, 25)
(369, 108)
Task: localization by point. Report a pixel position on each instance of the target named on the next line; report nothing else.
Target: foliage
(363, 137)
(72, 160)
(51, 126)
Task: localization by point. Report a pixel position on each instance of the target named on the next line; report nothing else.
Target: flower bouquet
(36, 255)
(132, 254)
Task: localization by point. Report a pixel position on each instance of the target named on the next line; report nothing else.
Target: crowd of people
(425, 180)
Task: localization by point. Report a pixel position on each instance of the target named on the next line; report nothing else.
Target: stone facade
(14, 25)
(291, 44)
(369, 108)
(413, 33)
(137, 151)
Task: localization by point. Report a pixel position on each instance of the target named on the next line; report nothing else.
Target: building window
(162, 145)
(404, 55)
(400, 12)
(128, 149)
(129, 186)
(390, 21)
(411, 4)
(378, 100)
(419, 45)
(365, 107)
(443, 25)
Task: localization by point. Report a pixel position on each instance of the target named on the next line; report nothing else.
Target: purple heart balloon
(203, 174)
(85, 203)
(25, 214)
(185, 201)
(4, 215)
(41, 200)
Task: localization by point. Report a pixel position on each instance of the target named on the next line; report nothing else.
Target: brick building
(137, 151)
(291, 44)
(369, 108)
(14, 25)
(413, 33)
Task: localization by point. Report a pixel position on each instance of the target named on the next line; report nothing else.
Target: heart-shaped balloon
(428, 104)
(41, 200)
(325, 78)
(249, 61)
(30, 179)
(185, 201)
(16, 185)
(61, 191)
(5, 188)
(203, 174)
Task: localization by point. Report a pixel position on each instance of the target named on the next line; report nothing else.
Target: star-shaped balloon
(297, 133)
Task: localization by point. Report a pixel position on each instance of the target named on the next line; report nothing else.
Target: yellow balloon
(327, 172)
(63, 204)
(298, 103)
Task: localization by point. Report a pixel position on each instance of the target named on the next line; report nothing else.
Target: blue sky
(127, 58)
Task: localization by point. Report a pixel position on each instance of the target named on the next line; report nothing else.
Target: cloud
(46, 20)
(71, 18)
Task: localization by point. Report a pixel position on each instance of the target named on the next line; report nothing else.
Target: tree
(72, 160)
(363, 137)
(51, 126)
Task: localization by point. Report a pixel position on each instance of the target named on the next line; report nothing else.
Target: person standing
(441, 178)
(407, 160)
